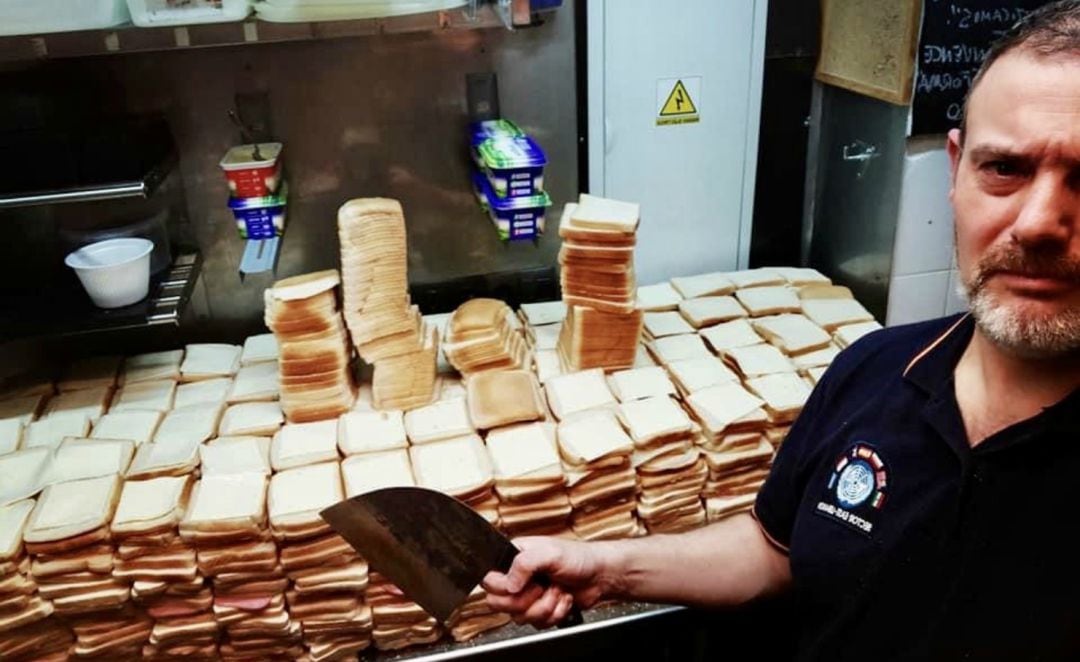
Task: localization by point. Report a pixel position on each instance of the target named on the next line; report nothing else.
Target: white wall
(923, 283)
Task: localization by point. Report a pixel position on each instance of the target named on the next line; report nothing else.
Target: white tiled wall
(922, 284)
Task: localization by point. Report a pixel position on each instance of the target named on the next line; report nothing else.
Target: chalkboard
(956, 34)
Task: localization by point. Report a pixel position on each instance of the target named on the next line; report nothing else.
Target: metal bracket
(260, 256)
(861, 152)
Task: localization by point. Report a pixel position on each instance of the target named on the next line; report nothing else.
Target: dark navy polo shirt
(905, 542)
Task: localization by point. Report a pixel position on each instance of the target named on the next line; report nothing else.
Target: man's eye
(1002, 168)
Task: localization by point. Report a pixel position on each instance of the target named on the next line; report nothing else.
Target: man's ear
(953, 145)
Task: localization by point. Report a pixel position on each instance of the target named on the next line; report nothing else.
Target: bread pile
(166, 582)
(399, 622)
(529, 480)
(602, 324)
(386, 329)
(670, 470)
(226, 521)
(480, 336)
(316, 379)
(460, 467)
(26, 629)
(596, 455)
(327, 577)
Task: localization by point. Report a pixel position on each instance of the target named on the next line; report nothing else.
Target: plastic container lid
(275, 200)
(241, 157)
(481, 131)
(507, 152)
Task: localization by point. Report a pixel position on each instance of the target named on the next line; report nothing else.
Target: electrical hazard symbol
(677, 100)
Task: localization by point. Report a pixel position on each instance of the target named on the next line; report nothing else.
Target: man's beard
(1019, 328)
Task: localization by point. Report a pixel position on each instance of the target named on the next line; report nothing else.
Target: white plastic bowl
(114, 272)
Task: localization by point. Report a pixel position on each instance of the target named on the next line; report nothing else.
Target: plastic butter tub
(260, 218)
(154, 13)
(249, 177)
(514, 218)
(40, 16)
(513, 164)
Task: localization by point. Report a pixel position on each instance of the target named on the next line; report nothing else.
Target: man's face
(1016, 198)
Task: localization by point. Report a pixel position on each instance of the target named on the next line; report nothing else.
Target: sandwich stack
(386, 330)
(596, 456)
(399, 622)
(480, 336)
(27, 631)
(603, 325)
(226, 521)
(316, 380)
(326, 594)
(166, 582)
(670, 470)
(529, 480)
(152, 366)
(732, 440)
(69, 540)
(461, 468)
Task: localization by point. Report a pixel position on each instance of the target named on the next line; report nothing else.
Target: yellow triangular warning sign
(678, 102)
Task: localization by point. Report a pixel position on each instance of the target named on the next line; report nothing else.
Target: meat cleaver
(433, 547)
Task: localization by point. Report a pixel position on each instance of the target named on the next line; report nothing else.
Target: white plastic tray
(154, 13)
(18, 17)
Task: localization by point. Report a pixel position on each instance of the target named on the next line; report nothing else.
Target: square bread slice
(150, 505)
(135, 426)
(719, 406)
(11, 435)
(799, 276)
(816, 359)
(13, 518)
(524, 449)
(297, 495)
(830, 314)
(258, 349)
(260, 419)
(226, 502)
(453, 466)
(638, 383)
(736, 333)
(695, 374)
(93, 402)
(654, 418)
(177, 456)
(592, 436)
(596, 213)
(149, 395)
(710, 284)
(706, 311)
(76, 459)
(22, 473)
(822, 291)
(784, 395)
(299, 444)
(209, 391)
(92, 372)
(815, 374)
(750, 278)
(197, 422)
(442, 420)
(792, 334)
(659, 297)
(152, 366)
(678, 348)
(502, 397)
(233, 455)
(769, 300)
(547, 364)
(757, 360)
(669, 323)
(375, 471)
(206, 360)
(371, 431)
(578, 391)
(257, 382)
(543, 313)
(69, 509)
(849, 333)
(51, 430)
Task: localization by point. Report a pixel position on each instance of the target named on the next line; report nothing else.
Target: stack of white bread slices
(387, 331)
(26, 628)
(316, 377)
(603, 325)
(529, 480)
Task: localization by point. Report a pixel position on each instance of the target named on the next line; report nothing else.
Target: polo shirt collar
(932, 368)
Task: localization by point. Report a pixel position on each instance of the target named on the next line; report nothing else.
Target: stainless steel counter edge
(458, 651)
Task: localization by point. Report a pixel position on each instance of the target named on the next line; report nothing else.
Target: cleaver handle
(572, 618)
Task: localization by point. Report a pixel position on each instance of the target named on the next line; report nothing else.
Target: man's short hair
(1053, 29)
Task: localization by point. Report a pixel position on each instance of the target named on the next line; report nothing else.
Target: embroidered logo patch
(856, 488)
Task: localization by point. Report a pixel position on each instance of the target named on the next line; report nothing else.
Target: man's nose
(1050, 213)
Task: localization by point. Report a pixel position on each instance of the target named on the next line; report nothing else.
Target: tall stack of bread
(27, 629)
(314, 363)
(603, 323)
(387, 331)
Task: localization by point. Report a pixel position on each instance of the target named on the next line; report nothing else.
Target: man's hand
(574, 570)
